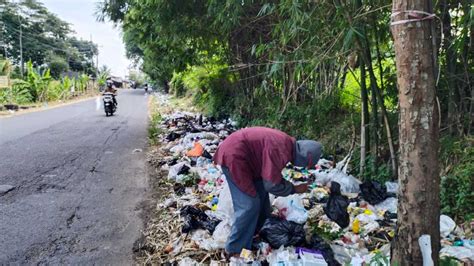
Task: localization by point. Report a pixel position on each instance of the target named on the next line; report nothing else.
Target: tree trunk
(419, 205)
(364, 133)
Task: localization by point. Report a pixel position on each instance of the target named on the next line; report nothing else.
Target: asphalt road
(79, 183)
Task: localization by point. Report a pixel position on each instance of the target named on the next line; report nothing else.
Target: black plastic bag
(279, 232)
(336, 207)
(195, 218)
(318, 243)
(179, 189)
(206, 155)
(173, 136)
(184, 170)
(373, 192)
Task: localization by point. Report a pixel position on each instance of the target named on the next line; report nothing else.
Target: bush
(209, 85)
(17, 94)
(58, 65)
(457, 181)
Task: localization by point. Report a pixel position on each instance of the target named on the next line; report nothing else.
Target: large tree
(419, 204)
(43, 36)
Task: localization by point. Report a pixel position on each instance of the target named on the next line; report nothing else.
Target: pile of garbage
(339, 221)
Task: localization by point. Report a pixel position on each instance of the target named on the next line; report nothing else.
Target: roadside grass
(154, 129)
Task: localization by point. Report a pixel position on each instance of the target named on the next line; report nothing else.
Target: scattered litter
(291, 208)
(392, 187)
(195, 219)
(373, 192)
(336, 207)
(137, 150)
(339, 221)
(446, 225)
(279, 232)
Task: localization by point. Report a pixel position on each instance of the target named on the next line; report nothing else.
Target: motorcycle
(109, 105)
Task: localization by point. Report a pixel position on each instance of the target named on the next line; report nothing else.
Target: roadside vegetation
(326, 73)
(41, 58)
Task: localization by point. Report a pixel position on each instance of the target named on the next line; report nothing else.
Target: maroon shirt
(255, 153)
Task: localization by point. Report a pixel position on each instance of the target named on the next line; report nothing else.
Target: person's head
(109, 84)
(307, 153)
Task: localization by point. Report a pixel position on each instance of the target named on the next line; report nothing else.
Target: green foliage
(81, 83)
(295, 66)
(5, 67)
(457, 183)
(42, 31)
(57, 66)
(379, 259)
(209, 85)
(17, 94)
(38, 83)
(375, 170)
(138, 77)
(153, 128)
(449, 261)
(325, 231)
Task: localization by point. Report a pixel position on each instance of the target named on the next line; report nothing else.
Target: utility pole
(21, 51)
(97, 62)
(21, 46)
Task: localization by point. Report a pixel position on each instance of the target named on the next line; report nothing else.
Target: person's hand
(301, 188)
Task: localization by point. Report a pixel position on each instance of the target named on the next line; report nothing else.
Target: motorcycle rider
(110, 89)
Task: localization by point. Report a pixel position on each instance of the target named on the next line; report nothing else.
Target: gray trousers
(249, 214)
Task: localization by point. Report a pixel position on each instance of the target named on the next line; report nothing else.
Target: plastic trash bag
(173, 136)
(318, 243)
(373, 192)
(195, 218)
(465, 252)
(279, 232)
(392, 187)
(221, 234)
(389, 204)
(225, 207)
(188, 262)
(336, 207)
(177, 149)
(446, 225)
(178, 169)
(196, 151)
(348, 183)
(203, 239)
(292, 208)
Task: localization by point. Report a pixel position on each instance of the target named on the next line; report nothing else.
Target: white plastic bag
(460, 253)
(349, 184)
(221, 234)
(225, 207)
(389, 204)
(446, 225)
(392, 187)
(174, 170)
(292, 208)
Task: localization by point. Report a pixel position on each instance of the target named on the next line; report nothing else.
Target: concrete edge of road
(49, 107)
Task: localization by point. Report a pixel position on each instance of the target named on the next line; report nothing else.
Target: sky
(81, 15)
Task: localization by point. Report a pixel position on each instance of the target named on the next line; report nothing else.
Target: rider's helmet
(109, 83)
